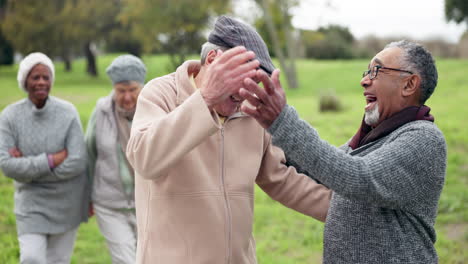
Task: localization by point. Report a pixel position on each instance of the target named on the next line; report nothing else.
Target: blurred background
(322, 48)
(320, 29)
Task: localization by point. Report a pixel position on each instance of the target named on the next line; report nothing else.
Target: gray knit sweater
(46, 201)
(386, 192)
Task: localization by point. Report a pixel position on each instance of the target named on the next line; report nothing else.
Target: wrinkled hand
(59, 157)
(225, 75)
(268, 102)
(15, 152)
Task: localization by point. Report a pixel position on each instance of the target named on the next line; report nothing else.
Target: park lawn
(282, 235)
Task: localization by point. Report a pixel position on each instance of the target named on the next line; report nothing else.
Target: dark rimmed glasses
(375, 70)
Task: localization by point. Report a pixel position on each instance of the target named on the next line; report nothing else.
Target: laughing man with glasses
(388, 178)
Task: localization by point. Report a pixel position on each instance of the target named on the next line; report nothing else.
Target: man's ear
(412, 86)
(210, 57)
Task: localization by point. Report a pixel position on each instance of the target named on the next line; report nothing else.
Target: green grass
(282, 235)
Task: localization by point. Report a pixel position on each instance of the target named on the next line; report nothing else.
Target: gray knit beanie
(29, 62)
(127, 68)
(230, 33)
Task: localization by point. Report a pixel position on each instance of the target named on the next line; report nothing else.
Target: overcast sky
(418, 19)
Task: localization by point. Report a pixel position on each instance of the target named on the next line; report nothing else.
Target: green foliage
(456, 10)
(29, 26)
(281, 18)
(64, 27)
(282, 235)
(174, 27)
(338, 30)
(331, 42)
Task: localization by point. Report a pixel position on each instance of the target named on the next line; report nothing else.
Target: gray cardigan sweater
(107, 166)
(386, 192)
(46, 201)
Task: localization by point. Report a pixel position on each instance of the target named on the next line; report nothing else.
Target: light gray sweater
(386, 192)
(46, 201)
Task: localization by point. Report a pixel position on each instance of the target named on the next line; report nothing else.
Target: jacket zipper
(226, 200)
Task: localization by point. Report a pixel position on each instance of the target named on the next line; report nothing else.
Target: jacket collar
(182, 79)
(106, 103)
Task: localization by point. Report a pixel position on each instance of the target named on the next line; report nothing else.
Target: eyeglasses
(375, 70)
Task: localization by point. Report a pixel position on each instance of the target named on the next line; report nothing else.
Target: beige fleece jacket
(195, 178)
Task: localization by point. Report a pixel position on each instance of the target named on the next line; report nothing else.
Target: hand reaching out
(268, 102)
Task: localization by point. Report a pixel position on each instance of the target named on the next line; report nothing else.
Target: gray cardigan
(46, 201)
(386, 192)
(107, 167)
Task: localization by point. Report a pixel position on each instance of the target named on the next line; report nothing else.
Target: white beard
(372, 116)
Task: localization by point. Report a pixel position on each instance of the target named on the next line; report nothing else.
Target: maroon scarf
(366, 134)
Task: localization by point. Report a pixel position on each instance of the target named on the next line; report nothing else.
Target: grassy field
(282, 235)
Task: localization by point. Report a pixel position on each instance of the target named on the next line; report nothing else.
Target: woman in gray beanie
(113, 179)
(43, 150)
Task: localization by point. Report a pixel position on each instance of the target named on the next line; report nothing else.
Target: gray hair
(420, 61)
(206, 48)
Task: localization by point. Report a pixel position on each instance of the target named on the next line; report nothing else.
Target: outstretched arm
(394, 175)
(294, 190)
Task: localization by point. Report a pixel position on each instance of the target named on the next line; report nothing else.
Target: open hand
(268, 102)
(225, 74)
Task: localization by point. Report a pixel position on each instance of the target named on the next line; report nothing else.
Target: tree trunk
(91, 68)
(289, 71)
(68, 66)
(291, 45)
(67, 62)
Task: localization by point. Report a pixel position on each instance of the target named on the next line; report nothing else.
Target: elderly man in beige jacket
(197, 158)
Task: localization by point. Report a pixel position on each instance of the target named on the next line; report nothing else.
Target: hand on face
(268, 102)
(225, 73)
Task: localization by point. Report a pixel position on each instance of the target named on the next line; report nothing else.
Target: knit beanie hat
(127, 68)
(29, 62)
(230, 33)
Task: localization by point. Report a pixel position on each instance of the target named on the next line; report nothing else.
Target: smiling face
(232, 104)
(38, 84)
(385, 93)
(126, 94)
(229, 106)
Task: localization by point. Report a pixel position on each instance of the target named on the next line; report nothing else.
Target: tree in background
(6, 49)
(456, 10)
(330, 42)
(121, 39)
(29, 26)
(175, 27)
(64, 28)
(87, 22)
(279, 29)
